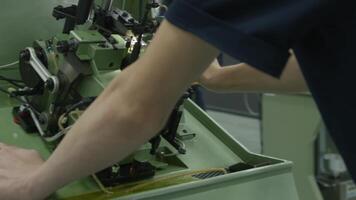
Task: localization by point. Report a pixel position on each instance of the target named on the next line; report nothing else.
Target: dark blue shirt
(322, 34)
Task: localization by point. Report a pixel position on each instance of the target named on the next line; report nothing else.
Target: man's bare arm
(245, 78)
(128, 113)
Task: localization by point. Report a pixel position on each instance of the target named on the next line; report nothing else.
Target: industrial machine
(190, 158)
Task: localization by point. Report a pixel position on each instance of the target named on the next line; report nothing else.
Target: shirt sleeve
(257, 32)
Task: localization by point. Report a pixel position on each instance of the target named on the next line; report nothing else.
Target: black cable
(85, 102)
(12, 96)
(13, 82)
(5, 91)
(3, 77)
(25, 102)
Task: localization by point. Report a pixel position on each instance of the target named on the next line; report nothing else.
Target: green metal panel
(22, 22)
(256, 187)
(290, 125)
(212, 148)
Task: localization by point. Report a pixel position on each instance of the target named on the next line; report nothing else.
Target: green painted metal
(290, 124)
(24, 21)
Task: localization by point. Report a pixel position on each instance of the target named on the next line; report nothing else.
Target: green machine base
(211, 150)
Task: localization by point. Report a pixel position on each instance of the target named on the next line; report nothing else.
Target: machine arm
(30, 57)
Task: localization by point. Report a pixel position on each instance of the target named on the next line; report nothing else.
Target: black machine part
(83, 10)
(73, 15)
(23, 118)
(38, 79)
(67, 13)
(34, 72)
(113, 21)
(28, 74)
(67, 46)
(126, 173)
(169, 132)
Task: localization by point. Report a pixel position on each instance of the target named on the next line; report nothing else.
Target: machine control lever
(51, 82)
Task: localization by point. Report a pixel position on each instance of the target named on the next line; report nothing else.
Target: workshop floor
(246, 130)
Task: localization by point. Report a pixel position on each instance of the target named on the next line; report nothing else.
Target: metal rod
(108, 5)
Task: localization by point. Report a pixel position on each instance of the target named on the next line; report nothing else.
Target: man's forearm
(100, 137)
(244, 78)
(129, 112)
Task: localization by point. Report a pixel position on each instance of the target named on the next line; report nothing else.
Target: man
(257, 32)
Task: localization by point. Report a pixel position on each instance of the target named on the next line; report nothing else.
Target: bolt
(25, 55)
(125, 14)
(62, 46)
(50, 85)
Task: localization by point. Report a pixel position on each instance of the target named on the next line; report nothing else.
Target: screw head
(25, 55)
(50, 85)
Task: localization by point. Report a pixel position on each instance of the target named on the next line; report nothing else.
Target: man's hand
(16, 167)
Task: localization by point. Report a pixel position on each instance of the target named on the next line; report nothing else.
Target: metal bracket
(51, 82)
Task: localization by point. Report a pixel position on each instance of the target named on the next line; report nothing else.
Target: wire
(9, 65)
(248, 106)
(16, 98)
(58, 135)
(61, 121)
(22, 100)
(10, 79)
(5, 91)
(36, 121)
(85, 102)
(12, 96)
(100, 185)
(13, 82)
